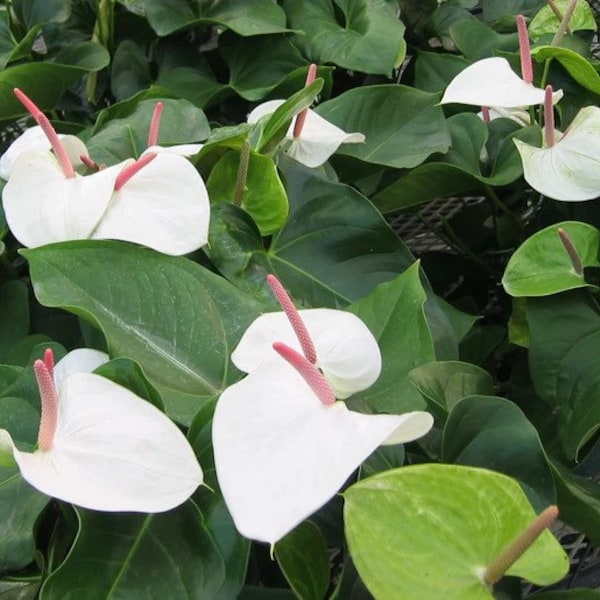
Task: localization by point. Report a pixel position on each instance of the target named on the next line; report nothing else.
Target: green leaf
(302, 556)
(370, 37)
(117, 138)
(541, 265)
(573, 594)
(576, 65)
(563, 365)
(446, 521)
(402, 125)
(130, 70)
(258, 18)
(493, 433)
(10, 49)
(46, 82)
(264, 200)
(175, 318)
(444, 383)
(19, 590)
(121, 555)
(545, 21)
(383, 459)
(394, 312)
(14, 315)
(494, 10)
(34, 12)
(477, 40)
(434, 70)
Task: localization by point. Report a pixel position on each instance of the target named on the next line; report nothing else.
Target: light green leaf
(541, 265)
(448, 522)
(545, 21)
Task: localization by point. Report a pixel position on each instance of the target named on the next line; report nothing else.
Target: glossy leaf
(402, 126)
(370, 40)
(394, 312)
(493, 433)
(14, 315)
(444, 383)
(444, 520)
(263, 16)
(541, 265)
(115, 554)
(175, 318)
(545, 21)
(302, 556)
(264, 199)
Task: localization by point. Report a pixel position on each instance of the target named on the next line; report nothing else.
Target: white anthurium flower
(518, 115)
(568, 168)
(492, 82)
(102, 447)
(283, 444)
(180, 149)
(43, 206)
(34, 138)
(318, 140)
(164, 205)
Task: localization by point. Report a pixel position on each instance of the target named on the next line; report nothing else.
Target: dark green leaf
(14, 315)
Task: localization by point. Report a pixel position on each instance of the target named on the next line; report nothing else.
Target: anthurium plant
(227, 369)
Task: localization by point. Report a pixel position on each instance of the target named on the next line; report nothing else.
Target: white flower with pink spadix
(159, 201)
(567, 166)
(283, 443)
(102, 447)
(491, 82)
(311, 139)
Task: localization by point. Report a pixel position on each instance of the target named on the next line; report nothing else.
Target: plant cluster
(222, 373)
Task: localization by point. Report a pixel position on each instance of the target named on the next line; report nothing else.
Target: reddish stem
(42, 120)
(155, 124)
(301, 118)
(485, 113)
(298, 325)
(128, 172)
(49, 399)
(89, 162)
(548, 117)
(313, 377)
(525, 50)
(567, 242)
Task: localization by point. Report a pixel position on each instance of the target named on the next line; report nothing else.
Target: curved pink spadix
(42, 120)
(128, 172)
(49, 397)
(548, 117)
(524, 50)
(301, 118)
(306, 342)
(313, 377)
(155, 124)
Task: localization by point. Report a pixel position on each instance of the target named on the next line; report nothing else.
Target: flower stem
(500, 565)
(155, 124)
(313, 377)
(571, 251)
(42, 120)
(564, 24)
(548, 117)
(485, 113)
(524, 50)
(242, 174)
(128, 172)
(298, 325)
(557, 13)
(301, 118)
(49, 397)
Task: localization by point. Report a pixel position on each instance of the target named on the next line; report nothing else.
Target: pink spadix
(313, 377)
(44, 375)
(485, 113)
(155, 124)
(301, 118)
(42, 120)
(524, 50)
(306, 343)
(128, 172)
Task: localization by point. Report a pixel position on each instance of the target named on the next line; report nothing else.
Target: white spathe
(347, 352)
(181, 149)
(80, 360)
(34, 138)
(164, 206)
(569, 170)
(112, 451)
(281, 454)
(318, 140)
(491, 82)
(43, 206)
